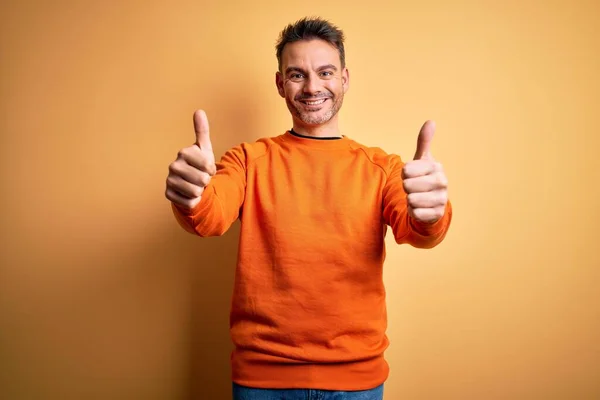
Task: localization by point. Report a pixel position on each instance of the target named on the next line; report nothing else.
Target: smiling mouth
(313, 103)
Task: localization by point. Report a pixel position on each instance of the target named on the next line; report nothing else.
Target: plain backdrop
(103, 296)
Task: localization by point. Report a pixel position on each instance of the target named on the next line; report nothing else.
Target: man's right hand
(191, 172)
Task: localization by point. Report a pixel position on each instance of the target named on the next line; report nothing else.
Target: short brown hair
(308, 29)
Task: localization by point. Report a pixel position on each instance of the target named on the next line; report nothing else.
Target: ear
(279, 83)
(346, 79)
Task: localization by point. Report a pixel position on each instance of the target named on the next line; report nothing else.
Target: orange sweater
(309, 307)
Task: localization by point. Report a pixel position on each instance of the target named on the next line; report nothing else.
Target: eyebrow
(321, 68)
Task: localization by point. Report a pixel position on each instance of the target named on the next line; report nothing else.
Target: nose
(312, 85)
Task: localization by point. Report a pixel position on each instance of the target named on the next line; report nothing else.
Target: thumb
(424, 141)
(202, 131)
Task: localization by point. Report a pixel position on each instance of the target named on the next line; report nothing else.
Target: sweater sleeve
(395, 213)
(221, 200)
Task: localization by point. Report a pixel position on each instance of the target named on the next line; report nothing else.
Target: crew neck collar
(317, 143)
(293, 132)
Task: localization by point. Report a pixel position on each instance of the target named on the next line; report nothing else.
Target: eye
(296, 76)
(327, 74)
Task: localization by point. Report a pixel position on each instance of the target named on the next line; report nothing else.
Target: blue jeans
(246, 393)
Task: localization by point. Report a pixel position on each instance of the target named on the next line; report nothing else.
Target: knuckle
(442, 180)
(412, 200)
(408, 170)
(193, 203)
(170, 181)
(173, 168)
(198, 178)
(202, 180)
(419, 213)
(444, 197)
(182, 153)
(205, 179)
(186, 153)
(198, 191)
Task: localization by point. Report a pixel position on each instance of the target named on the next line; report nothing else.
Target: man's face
(312, 81)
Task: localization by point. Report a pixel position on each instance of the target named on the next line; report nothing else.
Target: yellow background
(103, 296)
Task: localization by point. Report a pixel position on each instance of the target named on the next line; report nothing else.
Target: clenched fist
(425, 182)
(191, 172)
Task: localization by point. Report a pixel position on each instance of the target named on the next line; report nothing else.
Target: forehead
(310, 53)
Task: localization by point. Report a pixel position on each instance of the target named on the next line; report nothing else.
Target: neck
(329, 129)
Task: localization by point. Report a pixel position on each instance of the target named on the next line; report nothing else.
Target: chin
(316, 118)
(314, 121)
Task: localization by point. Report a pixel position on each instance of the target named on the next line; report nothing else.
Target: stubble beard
(312, 119)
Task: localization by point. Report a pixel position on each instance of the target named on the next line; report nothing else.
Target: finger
(425, 183)
(183, 187)
(202, 160)
(177, 198)
(413, 169)
(202, 131)
(189, 173)
(431, 199)
(429, 215)
(424, 141)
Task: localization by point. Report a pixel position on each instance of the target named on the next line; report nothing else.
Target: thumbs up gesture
(191, 172)
(425, 182)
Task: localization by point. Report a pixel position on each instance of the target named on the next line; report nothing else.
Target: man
(308, 314)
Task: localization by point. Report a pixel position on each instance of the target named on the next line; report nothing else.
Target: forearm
(425, 235)
(205, 219)
(212, 216)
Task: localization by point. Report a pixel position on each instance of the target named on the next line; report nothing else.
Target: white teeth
(314, 103)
